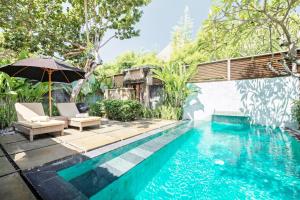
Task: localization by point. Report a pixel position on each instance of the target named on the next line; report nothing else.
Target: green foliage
(14, 90)
(151, 113)
(132, 59)
(296, 110)
(7, 114)
(122, 110)
(54, 109)
(63, 30)
(174, 78)
(97, 109)
(240, 28)
(237, 28)
(169, 112)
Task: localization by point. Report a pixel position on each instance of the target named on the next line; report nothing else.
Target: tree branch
(109, 39)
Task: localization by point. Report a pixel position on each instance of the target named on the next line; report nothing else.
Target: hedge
(122, 110)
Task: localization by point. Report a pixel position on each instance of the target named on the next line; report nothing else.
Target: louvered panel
(211, 71)
(241, 68)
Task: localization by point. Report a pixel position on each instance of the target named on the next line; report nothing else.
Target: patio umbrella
(44, 70)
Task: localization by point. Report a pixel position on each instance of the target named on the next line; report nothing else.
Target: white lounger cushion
(84, 119)
(70, 111)
(67, 109)
(26, 111)
(82, 115)
(40, 119)
(41, 124)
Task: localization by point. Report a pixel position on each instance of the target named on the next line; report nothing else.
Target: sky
(156, 25)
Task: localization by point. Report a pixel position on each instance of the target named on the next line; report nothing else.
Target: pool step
(46, 179)
(95, 180)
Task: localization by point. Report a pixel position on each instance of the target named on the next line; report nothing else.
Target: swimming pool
(209, 161)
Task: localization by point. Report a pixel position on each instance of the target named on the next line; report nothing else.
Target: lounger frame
(31, 132)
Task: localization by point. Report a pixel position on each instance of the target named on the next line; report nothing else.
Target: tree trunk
(76, 90)
(88, 73)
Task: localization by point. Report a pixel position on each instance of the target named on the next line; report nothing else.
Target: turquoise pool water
(216, 161)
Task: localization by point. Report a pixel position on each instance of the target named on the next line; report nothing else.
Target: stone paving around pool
(45, 149)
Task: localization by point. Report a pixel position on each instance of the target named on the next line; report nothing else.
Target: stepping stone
(38, 157)
(26, 145)
(5, 139)
(1, 153)
(93, 142)
(6, 167)
(14, 188)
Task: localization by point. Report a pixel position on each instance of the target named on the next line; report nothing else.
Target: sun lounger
(75, 118)
(32, 120)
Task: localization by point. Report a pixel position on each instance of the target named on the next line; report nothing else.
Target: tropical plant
(174, 77)
(151, 113)
(14, 90)
(169, 112)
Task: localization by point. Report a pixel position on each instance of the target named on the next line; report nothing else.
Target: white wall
(267, 101)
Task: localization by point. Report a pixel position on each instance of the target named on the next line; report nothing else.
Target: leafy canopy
(57, 27)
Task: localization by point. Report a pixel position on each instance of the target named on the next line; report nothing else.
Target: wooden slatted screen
(240, 68)
(215, 71)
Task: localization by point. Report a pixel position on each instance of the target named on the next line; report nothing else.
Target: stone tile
(26, 145)
(94, 141)
(38, 157)
(6, 167)
(120, 164)
(133, 158)
(73, 134)
(1, 153)
(141, 152)
(4, 139)
(123, 133)
(14, 188)
(105, 129)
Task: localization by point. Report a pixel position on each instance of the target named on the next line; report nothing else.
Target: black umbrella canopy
(38, 69)
(44, 70)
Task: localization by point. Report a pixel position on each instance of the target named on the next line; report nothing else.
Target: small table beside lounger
(70, 111)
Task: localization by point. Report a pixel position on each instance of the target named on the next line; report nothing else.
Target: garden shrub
(97, 109)
(296, 110)
(122, 110)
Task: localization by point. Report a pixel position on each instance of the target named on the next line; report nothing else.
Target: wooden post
(50, 92)
(228, 70)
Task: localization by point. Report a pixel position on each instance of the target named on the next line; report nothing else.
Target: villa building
(136, 83)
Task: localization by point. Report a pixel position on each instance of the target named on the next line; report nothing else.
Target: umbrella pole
(50, 95)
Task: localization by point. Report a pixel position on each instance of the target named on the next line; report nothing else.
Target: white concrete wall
(267, 101)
